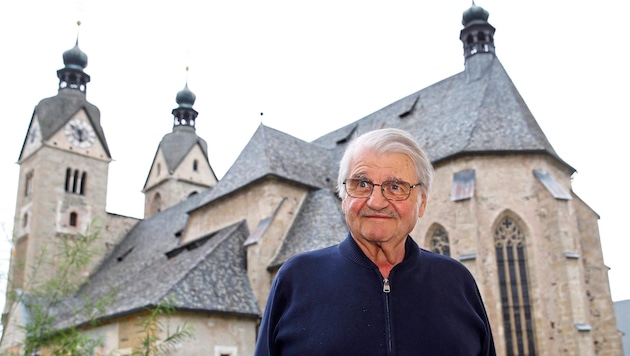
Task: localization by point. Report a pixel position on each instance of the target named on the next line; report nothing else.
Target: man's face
(376, 219)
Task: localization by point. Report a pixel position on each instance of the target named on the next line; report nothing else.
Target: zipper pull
(386, 287)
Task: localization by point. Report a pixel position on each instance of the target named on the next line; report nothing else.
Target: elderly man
(377, 292)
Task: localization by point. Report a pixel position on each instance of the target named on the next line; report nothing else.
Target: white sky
(311, 67)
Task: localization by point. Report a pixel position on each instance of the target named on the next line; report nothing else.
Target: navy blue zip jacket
(335, 301)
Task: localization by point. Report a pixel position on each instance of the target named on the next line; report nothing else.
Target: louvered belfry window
(515, 301)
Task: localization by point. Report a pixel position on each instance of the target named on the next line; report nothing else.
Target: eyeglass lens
(393, 190)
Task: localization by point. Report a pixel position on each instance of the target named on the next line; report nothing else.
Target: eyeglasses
(391, 189)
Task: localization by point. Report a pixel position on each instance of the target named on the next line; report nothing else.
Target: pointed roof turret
(185, 115)
(177, 144)
(477, 34)
(180, 166)
(72, 75)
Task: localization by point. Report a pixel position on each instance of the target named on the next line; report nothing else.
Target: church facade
(501, 204)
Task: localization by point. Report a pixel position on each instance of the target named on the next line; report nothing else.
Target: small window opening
(28, 186)
(68, 179)
(83, 180)
(75, 181)
(73, 219)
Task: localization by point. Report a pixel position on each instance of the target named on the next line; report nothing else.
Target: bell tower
(181, 166)
(64, 165)
(477, 35)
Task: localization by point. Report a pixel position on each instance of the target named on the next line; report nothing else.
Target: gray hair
(386, 141)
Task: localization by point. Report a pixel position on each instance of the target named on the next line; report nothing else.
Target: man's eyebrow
(360, 176)
(365, 177)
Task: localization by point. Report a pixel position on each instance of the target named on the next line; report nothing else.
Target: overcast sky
(311, 67)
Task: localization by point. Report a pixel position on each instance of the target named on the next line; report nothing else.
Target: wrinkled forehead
(387, 165)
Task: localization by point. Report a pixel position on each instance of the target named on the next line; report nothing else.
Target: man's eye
(394, 186)
(363, 184)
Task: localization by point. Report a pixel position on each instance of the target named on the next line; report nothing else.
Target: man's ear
(423, 204)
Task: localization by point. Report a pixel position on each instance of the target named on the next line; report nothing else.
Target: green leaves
(157, 322)
(46, 298)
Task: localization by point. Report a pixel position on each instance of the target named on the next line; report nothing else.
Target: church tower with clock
(64, 166)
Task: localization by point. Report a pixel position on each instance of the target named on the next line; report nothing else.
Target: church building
(501, 204)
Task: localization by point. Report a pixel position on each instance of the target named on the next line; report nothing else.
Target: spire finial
(78, 30)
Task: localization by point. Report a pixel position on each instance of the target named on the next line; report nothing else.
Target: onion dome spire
(185, 115)
(477, 34)
(72, 75)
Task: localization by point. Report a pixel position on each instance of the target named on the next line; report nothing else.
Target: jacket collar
(351, 250)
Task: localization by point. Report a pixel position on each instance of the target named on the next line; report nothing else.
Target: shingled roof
(271, 152)
(176, 145)
(476, 111)
(54, 112)
(149, 265)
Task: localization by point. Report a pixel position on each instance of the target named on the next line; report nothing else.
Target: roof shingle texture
(176, 145)
(149, 266)
(476, 111)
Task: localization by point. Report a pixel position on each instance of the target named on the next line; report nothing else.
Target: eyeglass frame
(372, 184)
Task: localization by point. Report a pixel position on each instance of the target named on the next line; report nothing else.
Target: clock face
(80, 133)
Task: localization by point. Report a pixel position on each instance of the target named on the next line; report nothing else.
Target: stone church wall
(556, 232)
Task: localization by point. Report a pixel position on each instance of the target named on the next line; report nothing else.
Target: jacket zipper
(388, 326)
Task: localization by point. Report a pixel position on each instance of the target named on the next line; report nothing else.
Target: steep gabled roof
(271, 152)
(54, 112)
(178, 143)
(149, 265)
(476, 111)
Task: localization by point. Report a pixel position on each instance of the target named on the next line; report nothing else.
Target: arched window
(75, 181)
(73, 219)
(195, 165)
(83, 182)
(68, 180)
(157, 203)
(509, 241)
(439, 241)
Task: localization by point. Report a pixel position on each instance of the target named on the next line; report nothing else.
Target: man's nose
(377, 199)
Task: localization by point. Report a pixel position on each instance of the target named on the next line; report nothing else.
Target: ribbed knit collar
(353, 252)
